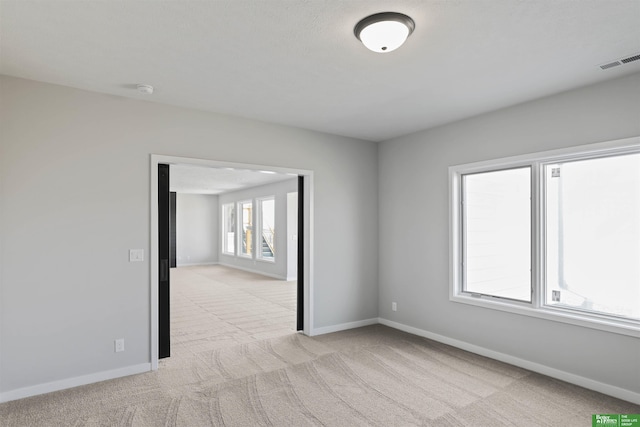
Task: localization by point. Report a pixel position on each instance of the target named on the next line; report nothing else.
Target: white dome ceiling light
(384, 32)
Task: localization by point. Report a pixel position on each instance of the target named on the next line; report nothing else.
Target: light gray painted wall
(414, 215)
(197, 227)
(76, 197)
(279, 190)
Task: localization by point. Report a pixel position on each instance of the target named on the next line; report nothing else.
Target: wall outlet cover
(136, 255)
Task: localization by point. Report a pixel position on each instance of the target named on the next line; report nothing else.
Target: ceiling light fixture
(384, 32)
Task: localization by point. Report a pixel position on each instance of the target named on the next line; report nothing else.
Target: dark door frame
(300, 258)
(164, 254)
(304, 319)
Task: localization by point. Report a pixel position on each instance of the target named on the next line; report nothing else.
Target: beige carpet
(216, 306)
(258, 373)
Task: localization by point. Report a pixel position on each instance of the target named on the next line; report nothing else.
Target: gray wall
(414, 215)
(197, 227)
(279, 190)
(75, 191)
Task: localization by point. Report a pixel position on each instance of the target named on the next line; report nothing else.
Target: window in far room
(228, 228)
(246, 232)
(266, 239)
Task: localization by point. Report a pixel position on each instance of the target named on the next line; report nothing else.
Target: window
(267, 221)
(497, 233)
(554, 235)
(592, 217)
(246, 236)
(228, 228)
(252, 234)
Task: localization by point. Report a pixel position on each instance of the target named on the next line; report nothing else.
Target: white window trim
(259, 201)
(536, 308)
(223, 227)
(240, 225)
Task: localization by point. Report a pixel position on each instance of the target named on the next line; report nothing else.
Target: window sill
(617, 326)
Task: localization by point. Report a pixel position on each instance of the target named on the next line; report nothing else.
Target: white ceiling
(297, 62)
(193, 179)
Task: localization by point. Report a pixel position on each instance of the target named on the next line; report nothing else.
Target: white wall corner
(344, 326)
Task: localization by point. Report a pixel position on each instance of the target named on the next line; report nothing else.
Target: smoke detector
(146, 89)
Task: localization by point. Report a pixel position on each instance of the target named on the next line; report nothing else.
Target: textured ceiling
(298, 63)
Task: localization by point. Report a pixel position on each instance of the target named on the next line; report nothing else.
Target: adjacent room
(233, 256)
(363, 212)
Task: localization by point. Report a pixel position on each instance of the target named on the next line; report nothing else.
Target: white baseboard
(343, 326)
(607, 389)
(588, 383)
(21, 393)
(193, 264)
(250, 270)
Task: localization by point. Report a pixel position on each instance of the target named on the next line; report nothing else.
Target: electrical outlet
(119, 345)
(394, 306)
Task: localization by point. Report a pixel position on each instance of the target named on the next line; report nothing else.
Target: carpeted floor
(258, 372)
(216, 306)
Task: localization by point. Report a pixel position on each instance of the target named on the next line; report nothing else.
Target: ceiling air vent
(610, 65)
(630, 59)
(621, 61)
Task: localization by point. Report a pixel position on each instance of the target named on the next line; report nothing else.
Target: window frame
(240, 224)
(463, 240)
(224, 249)
(259, 213)
(537, 308)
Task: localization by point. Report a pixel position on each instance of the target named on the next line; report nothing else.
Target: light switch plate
(136, 255)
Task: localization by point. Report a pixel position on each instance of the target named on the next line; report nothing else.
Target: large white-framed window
(266, 249)
(496, 233)
(554, 235)
(246, 233)
(229, 228)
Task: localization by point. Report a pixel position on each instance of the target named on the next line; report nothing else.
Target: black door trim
(300, 291)
(164, 344)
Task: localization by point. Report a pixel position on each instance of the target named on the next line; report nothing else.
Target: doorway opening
(300, 240)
